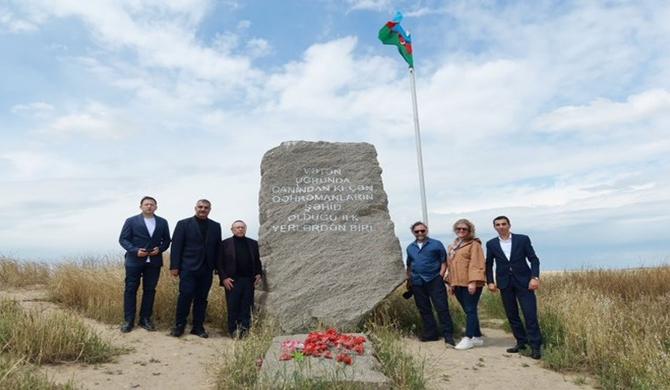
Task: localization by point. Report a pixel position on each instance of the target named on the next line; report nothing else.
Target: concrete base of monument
(364, 372)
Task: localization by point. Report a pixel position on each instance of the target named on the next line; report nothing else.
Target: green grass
(402, 368)
(57, 337)
(17, 374)
(239, 366)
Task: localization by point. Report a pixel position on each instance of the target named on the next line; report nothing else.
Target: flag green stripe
(388, 37)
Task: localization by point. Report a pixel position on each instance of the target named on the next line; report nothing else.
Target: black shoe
(200, 333)
(177, 331)
(424, 339)
(147, 324)
(450, 340)
(516, 348)
(536, 354)
(126, 327)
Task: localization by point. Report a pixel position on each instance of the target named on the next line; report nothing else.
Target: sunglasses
(420, 231)
(462, 229)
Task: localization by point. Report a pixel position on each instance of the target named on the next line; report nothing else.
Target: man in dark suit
(195, 250)
(144, 237)
(517, 283)
(240, 270)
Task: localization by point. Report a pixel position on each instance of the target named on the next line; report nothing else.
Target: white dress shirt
(151, 225)
(506, 246)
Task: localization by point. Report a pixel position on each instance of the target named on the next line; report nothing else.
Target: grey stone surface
(363, 373)
(327, 241)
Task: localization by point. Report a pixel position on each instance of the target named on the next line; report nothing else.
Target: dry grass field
(615, 324)
(612, 324)
(96, 290)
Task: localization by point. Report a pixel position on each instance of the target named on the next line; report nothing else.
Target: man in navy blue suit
(195, 251)
(517, 283)
(144, 237)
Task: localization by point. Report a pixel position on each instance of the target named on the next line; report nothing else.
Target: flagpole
(419, 155)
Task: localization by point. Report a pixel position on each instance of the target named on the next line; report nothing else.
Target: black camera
(408, 294)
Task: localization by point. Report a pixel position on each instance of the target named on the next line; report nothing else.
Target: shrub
(49, 337)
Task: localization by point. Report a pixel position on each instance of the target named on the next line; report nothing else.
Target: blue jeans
(433, 292)
(469, 304)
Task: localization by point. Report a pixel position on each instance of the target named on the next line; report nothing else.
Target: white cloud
(506, 72)
(258, 47)
(603, 114)
(35, 109)
(162, 35)
(95, 120)
(374, 5)
(37, 165)
(11, 23)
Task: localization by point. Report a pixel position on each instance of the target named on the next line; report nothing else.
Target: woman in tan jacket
(465, 278)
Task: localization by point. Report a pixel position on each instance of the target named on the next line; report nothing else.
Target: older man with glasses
(426, 266)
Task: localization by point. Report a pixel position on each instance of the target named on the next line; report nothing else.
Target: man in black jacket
(240, 270)
(517, 282)
(195, 248)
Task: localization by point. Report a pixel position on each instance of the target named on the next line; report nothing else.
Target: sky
(554, 113)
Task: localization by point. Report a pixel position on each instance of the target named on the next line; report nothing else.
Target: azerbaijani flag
(393, 34)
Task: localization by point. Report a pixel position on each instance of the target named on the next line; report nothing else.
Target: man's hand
(142, 252)
(472, 288)
(156, 250)
(258, 280)
(534, 284)
(228, 283)
(174, 272)
(492, 287)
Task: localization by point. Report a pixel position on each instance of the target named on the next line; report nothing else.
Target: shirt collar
(423, 243)
(503, 240)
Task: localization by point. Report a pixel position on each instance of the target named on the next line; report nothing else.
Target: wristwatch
(536, 278)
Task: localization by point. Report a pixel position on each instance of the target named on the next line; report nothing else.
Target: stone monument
(327, 241)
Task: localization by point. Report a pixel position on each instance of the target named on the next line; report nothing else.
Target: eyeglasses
(462, 229)
(420, 231)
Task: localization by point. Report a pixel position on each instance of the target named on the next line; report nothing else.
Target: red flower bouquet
(324, 345)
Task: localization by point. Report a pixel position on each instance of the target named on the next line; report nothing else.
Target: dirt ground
(488, 367)
(157, 361)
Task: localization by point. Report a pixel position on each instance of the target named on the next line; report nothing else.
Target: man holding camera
(426, 266)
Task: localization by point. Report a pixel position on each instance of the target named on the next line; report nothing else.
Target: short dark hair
(208, 203)
(417, 223)
(501, 217)
(148, 198)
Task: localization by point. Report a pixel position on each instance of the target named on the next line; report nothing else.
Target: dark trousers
(193, 289)
(469, 304)
(512, 294)
(435, 292)
(239, 301)
(148, 275)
